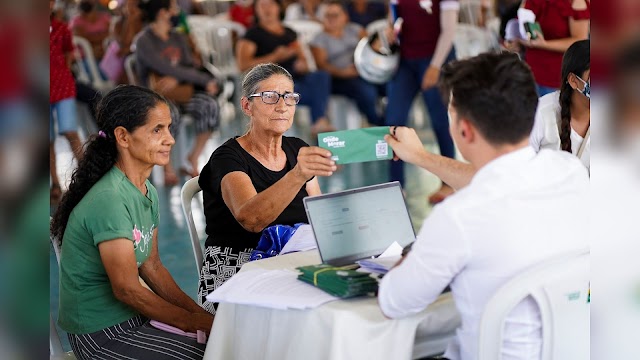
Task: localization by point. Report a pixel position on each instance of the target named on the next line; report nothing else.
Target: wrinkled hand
(165, 84)
(430, 78)
(405, 143)
(200, 321)
(314, 161)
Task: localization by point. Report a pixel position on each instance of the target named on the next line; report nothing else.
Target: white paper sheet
(277, 289)
(302, 240)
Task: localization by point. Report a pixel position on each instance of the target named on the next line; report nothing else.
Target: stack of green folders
(338, 281)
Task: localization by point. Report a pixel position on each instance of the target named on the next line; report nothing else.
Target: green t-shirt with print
(112, 209)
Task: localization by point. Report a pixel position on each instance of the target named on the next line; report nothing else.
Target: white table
(345, 329)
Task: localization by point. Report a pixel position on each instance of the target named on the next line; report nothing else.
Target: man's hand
(314, 161)
(431, 77)
(405, 143)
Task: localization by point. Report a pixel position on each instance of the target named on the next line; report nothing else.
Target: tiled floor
(174, 245)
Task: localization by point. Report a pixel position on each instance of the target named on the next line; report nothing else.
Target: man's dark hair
(495, 92)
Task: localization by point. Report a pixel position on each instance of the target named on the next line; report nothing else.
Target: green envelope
(358, 145)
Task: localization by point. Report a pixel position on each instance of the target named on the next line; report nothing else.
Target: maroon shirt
(553, 16)
(420, 29)
(62, 85)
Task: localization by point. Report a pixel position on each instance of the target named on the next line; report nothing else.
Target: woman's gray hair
(258, 74)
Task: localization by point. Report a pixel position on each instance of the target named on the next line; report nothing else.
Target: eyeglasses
(272, 97)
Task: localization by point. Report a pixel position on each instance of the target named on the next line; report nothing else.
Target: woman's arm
(119, 261)
(448, 25)
(246, 50)
(313, 187)
(320, 56)
(125, 31)
(153, 59)
(255, 211)
(162, 283)
(578, 30)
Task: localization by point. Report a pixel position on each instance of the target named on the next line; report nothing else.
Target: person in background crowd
(242, 12)
(520, 208)
(305, 10)
(92, 25)
(258, 179)
(166, 64)
(563, 22)
(563, 118)
(61, 97)
(333, 52)
(426, 43)
(125, 30)
(271, 41)
(108, 226)
(364, 12)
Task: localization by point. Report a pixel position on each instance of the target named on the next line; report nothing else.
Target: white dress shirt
(546, 129)
(518, 210)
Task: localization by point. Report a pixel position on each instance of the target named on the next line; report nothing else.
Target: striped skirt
(134, 339)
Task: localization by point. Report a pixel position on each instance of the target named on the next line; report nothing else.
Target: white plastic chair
(306, 30)
(129, 69)
(560, 288)
(214, 39)
(94, 78)
(189, 190)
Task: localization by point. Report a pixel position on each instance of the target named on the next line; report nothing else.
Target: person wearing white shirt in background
(305, 10)
(563, 118)
(519, 209)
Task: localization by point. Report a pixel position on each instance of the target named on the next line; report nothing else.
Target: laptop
(359, 223)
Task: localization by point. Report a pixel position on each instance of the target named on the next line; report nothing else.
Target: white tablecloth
(345, 329)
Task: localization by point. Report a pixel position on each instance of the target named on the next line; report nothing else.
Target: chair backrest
(306, 30)
(214, 39)
(129, 69)
(189, 190)
(560, 288)
(84, 52)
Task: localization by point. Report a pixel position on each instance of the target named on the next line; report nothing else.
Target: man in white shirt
(520, 207)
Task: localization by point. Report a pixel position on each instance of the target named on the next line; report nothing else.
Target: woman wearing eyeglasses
(258, 179)
(270, 41)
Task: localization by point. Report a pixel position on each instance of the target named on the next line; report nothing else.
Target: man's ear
(245, 104)
(122, 136)
(467, 132)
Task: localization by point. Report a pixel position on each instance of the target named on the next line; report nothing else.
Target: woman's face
(272, 118)
(150, 144)
(267, 10)
(334, 17)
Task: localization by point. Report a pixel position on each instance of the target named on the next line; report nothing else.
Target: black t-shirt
(222, 228)
(267, 42)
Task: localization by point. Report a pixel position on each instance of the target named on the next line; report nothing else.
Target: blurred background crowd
(205, 46)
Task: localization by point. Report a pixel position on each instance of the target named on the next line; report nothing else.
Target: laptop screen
(359, 223)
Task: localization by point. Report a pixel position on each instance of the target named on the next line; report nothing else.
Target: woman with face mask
(563, 116)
